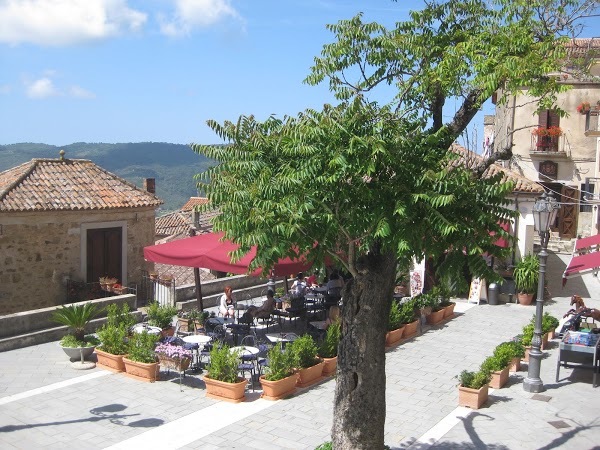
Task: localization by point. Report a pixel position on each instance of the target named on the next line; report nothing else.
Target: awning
(587, 243)
(585, 259)
(208, 251)
(501, 242)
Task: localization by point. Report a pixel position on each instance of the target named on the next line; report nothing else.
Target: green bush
(474, 380)
(407, 311)
(526, 274)
(141, 347)
(76, 317)
(223, 364)
(549, 322)
(510, 350)
(527, 335)
(161, 316)
(305, 351)
(495, 363)
(281, 363)
(329, 346)
(114, 332)
(71, 341)
(119, 316)
(395, 318)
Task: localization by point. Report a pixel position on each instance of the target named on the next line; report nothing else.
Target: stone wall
(40, 251)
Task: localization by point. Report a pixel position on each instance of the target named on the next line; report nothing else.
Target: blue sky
(157, 70)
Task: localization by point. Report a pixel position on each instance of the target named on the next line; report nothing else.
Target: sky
(157, 70)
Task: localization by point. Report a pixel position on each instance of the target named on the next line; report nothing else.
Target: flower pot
(544, 341)
(525, 299)
(165, 332)
(230, 392)
(310, 375)
(499, 379)
(177, 364)
(74, 353)
(526, 357)
(393, 337)
(551, 334)
(141, 371)
(411, 329)
(329, 366)
(515, 365)
(449, 310)
(472, 398)
(435, 317)
(110, 361)
(275, 390)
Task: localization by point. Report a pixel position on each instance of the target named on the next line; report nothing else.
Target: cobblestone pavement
(45, 403)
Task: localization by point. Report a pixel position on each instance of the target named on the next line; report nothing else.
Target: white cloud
(41, 88)
(190, 14)
(65, 22)
(79, 92)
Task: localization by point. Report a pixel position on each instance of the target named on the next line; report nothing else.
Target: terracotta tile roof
(584, 47)
(68, 184)
(194, 201)
(183, 275)
(471, 160)
(177, 224)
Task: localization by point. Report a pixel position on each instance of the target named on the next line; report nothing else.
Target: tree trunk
(359, 406)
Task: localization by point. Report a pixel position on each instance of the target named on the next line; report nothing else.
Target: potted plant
(473, 388)
(192, 320)
(309, 365)
(584, 108)
(140, 361)
(549, 324)
(329, 348)
(222, 380)
(526, 338)
(408, 316)
(76, 316)
(445, 303)
(113, 335)
(497, 366)
(395, 326)
(175, 357)
(514, 351)
(434, 301)
(161, 316)
(280, 378)
(526, 277)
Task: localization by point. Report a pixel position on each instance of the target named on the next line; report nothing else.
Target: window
(584, 206)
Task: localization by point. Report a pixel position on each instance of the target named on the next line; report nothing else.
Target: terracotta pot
(526, 357)
(551, 334)
(449, 310)
(110, 361)
(544, 341)
(515, 365)
(435, 317)
(184, 324)
(165, 332)
(525, 299)
(141, 371)
(329, 366)
(230, 392)
(410, 329)
(393, 337)
(310, 375)
(275, 390)
(499, 379)
(472, 398)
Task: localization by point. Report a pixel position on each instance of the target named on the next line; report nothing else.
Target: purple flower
(172, 351)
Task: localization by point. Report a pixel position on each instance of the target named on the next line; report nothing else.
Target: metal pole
(533, 383)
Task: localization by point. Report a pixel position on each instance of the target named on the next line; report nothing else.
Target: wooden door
(104, 249)
(567, 219)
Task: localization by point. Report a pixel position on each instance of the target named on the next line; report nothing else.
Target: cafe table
(201, 340)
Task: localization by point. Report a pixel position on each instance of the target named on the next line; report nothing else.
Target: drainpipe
(514, 244)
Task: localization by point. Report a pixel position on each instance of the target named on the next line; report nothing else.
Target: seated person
(265, 309)
(334, 288)
(299, 286)
(227, 304)
(333, 316)
(312, 280)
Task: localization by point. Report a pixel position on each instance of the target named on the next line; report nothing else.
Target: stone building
(560, 153)
(63, 220)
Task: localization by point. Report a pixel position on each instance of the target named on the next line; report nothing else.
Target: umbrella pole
(198, 288)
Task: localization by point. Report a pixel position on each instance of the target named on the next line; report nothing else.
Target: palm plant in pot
(113, 335)
(140, 361)
(310, 366)
(222, 380)
(473, 388)
(395, 325)
(280, 378)
(161, 316)
(329, 348)
(526, 275)
(76, 344)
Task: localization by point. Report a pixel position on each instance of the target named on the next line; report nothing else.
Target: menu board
(477, 291)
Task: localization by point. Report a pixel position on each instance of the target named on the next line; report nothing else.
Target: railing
(154, 288)
(592, 127)
(79, 291)
(549, 144)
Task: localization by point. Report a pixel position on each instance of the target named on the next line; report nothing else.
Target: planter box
(411, 329)
(472, 398)
(544, 345)
(310, 375)
(110, 361)
(393, 337)
(329, 366)
(499, 379)
(141, 371)
(275, 390)
(435, 317)
(230, 392)
(449, 311)
(515, 365)
(526, 357)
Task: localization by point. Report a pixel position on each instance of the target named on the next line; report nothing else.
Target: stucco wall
(39, 251)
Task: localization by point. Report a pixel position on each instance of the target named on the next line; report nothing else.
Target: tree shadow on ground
(102, 413)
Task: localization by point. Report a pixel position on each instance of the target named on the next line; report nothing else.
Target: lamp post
(544, 213)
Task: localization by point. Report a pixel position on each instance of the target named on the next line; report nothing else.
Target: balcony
(548, 147)
(591, 123)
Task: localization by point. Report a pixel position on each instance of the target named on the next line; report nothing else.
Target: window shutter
(553, 119)
(543, 119)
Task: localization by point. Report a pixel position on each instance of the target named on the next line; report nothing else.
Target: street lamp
(544, 213)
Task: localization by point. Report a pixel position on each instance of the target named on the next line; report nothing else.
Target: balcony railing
(547, 144)
(592, 127)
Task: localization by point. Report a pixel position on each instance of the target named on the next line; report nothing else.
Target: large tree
(371, 186)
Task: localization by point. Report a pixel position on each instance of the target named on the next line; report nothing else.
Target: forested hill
(172, 165)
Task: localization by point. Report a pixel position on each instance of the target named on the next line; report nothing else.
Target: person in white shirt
(227, 304)
(299, 286)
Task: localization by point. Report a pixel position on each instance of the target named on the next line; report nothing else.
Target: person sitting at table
(334, 288)
(265, 309)
(311, 281)
(227, 305)
(299, 286)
